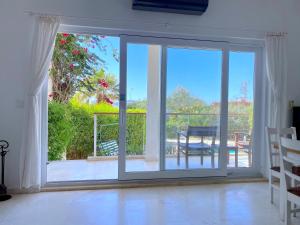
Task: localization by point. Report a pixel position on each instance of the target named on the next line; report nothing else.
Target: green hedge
(60, 130)
(71, 129)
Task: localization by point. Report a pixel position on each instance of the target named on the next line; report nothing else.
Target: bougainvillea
(73, 64)
(104, 87)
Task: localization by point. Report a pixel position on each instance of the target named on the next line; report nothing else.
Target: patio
(107, 167)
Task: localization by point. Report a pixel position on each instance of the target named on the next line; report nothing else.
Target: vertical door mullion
(163, 107)
(122, 108)
(224, 111)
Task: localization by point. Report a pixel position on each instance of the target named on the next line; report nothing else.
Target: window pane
(143, 107)
(193, 107)
(240, 108)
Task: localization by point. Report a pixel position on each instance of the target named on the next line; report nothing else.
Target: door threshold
(117, 184)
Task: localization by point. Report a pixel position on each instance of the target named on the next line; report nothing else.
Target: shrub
(71, 129)
(59, 130)
(135, 132)
(81, 143)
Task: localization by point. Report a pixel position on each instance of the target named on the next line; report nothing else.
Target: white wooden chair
(291, 176)
(272, 135)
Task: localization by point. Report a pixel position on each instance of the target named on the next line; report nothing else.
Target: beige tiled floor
(73, 170)
(227, 204)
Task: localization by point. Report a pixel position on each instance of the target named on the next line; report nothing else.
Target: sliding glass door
(173, 108)
(157, 107)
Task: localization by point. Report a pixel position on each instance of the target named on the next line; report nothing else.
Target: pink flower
(71, 66)
(85, 49)
(62, 41)
(103, 83)
(76, 52)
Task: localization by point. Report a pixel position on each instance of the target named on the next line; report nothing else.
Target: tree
(73, 64)
(181, 101)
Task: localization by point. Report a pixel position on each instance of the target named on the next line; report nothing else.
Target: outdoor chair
(109, 148)
(197, 146)
(243, 141)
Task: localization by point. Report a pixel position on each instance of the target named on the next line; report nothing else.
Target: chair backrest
(272, 141)
(287, 162)
(201, 131)
(273, 135)
(289, 133)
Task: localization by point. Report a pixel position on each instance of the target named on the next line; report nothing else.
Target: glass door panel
(193, 104)
(143, 107)
(240, 108)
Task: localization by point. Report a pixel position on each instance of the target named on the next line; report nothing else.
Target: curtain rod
(276, 34)
(33, 13)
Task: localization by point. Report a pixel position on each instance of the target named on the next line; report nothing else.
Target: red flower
(62, 41)
(103, 83)
(76, 52)
(71, 66)
(66, 35)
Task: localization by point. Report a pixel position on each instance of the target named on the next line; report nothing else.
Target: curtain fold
(277, 78)
(42, 48)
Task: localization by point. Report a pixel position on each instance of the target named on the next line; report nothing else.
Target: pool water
(231, 152)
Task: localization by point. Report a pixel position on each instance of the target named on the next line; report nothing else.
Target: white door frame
(258, 96)
(162, 172)
(234, 43)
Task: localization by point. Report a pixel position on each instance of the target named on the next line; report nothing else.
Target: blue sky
(198, 71)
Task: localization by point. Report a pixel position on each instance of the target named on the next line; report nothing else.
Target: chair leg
(271, 189)
(249, 158)
(288, 213)
(201, 159)
(213, 159)
(272, 195)
(178, 156)
(186, 160)
(294, 205)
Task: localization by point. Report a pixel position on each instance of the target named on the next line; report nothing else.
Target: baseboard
(72, 186)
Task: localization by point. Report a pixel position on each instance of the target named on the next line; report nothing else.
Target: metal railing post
(95, 135)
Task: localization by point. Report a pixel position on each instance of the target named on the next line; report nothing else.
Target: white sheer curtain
(30, 158)
(277, 77)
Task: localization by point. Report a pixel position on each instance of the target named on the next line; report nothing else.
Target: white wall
(293, 28)
(236, 18)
